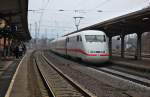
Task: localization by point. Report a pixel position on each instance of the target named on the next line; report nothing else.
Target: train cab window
(95, 38)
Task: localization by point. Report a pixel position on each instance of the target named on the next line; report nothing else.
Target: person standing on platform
(20, 50)
(24, 48)
(17, 51)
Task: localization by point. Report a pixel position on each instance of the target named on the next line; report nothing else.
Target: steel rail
(49, 90)
(82, 90)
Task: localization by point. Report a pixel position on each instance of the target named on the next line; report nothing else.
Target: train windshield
(95, 38)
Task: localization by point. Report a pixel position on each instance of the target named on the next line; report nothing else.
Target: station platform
(130, 61)
(19, 82)
(7, 68)
(4, 63)
(23, 80)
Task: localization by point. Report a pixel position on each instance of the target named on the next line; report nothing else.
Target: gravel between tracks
(98, 88)
(94, 82)
(33, 85)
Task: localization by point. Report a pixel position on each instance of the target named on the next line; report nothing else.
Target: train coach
(89, 46)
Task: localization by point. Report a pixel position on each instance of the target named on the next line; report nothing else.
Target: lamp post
(77, 22)
(78, 18)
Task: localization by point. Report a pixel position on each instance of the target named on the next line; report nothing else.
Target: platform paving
(19, 84)
(4, 65)
(128, 61)
(7, 69)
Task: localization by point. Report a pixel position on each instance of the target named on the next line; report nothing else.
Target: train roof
(86, 32)
(92, 32)
(58, 39)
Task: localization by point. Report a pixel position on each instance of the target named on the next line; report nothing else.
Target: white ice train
(89, 45)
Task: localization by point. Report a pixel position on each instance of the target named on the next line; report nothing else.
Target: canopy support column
(122, 46)
(138, 47)
(110, 46)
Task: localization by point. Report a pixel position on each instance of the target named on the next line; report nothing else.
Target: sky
(45, 15)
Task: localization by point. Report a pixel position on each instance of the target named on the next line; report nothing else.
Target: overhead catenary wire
(81, 2)
(101, 4)
(42, 13)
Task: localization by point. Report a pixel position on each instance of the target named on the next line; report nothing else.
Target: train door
(66, 41)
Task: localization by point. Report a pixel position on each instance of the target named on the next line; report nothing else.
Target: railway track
(145, 55)
(136, 75)
(130, 78)
(133, 77)
(56, 82)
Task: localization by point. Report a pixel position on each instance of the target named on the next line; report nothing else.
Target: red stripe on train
(81, 51)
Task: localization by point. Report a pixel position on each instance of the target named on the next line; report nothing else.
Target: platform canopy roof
(136, 22)
(15, 12)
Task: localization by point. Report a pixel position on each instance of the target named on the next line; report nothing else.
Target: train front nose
(97, 58)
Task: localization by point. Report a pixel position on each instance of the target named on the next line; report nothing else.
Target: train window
(95, 38)
(67, 39)
(78, 38)
(104, 38)
(101, 38)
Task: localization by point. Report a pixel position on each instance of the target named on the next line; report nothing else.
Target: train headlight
(92, 51)
(97, 51)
